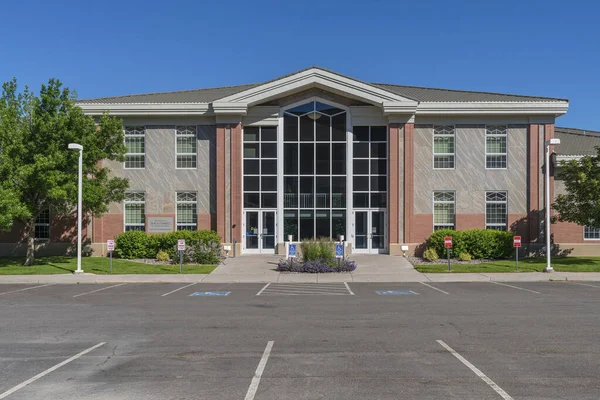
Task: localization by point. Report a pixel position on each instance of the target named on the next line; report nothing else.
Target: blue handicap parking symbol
(210, 294)
(339, 250)
(392, 292)
(292, 250)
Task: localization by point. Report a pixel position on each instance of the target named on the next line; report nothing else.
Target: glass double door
(370, 231)
(259, 231)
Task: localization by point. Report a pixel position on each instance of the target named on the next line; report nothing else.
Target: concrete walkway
(261, 269)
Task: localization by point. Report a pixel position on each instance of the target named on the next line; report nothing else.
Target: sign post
(517, 244)
(181, 248)
(339, 252)
(448, 246)
(110, 246)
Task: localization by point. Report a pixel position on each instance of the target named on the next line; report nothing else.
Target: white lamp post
(78, 147)
(548, 143)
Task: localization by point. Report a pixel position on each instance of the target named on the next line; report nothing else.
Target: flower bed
(316, 266)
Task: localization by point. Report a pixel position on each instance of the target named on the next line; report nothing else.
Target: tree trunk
(30, 231)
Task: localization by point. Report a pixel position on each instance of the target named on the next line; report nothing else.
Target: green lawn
(95, 265)
(560, 264)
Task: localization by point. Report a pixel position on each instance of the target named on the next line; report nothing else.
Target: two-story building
(319, 154)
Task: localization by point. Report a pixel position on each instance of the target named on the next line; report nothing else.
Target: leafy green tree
(581, 203)
(38, 172)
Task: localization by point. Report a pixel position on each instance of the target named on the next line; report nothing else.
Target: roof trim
(493, 107)
(146, 108)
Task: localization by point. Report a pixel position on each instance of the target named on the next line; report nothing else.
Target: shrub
(132, 245)
(465, 257)
(479, 243)
(430, 254)
(162, 256)
(202, 247)
(315, 266)
(322, 249)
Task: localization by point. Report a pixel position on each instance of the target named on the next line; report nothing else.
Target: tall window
(135, 211)
(443, 210)
(496, 211)
(135, 141)
(370, 167)
(42, 225)
(590, 233)
(187, 211)
(314, 158)
(186, 147)
(443, 147)
(495, 147)
(260, 167)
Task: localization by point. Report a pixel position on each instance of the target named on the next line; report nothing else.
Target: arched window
(314, 158)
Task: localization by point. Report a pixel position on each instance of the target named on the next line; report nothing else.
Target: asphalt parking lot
(301, 341)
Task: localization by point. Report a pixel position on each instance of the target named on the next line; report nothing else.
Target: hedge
(202, 247)
(479, 243)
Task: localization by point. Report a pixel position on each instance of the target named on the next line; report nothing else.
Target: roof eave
(506, 108)
(132, 109)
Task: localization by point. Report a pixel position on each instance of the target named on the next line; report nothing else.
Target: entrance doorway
(259, 231)
(370, 231)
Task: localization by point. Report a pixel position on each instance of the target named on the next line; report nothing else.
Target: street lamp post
(78, 147)
(548, 143)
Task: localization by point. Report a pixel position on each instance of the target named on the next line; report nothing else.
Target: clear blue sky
(105, 48)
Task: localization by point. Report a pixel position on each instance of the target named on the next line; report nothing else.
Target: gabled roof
(419, 94)
(576, 142)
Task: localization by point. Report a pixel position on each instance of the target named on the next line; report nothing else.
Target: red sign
(448, 242)
(517, 241)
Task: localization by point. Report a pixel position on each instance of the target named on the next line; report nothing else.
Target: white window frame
(134, 128)
(186, 135)
(505, 202)
(42, 224)
(125, 202)
(453, 202)
(496, 135)
(443, 135)
(193, 225)
(585, 230)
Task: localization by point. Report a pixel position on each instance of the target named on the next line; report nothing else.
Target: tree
(38, 172)
(581, 204)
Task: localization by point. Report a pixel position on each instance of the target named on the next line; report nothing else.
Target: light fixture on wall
(314, 115)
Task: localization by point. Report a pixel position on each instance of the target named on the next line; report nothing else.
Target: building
(318, 154)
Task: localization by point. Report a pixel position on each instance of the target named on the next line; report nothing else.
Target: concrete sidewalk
(261, 269)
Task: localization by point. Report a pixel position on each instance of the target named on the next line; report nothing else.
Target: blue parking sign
(292, 250)
(339, 250)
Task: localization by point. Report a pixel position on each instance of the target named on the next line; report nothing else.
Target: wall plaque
(160, 224)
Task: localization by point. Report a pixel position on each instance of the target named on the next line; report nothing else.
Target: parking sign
(517, 241)
(181, 244)
(339, 250)
(448, 242)
(110, 245)
(292, 250)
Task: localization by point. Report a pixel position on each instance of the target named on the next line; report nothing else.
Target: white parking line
(473, 368)
(515, 287)
(585, 284)
(97, 290)
(434, 288)
(46, 372)
(348, 287)
(263, 289)
(258, 374)
(29, 288)
(177, 290)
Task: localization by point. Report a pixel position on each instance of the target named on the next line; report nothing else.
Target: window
(135, 211)
(369, 183)
(495, 147)
(187, 213)
(443, 147)
(496, 211)
(135, 141)
(186, 147)
(443, 210)
(260, 166)
(590, 233)
(314, 171)
(42, 225)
